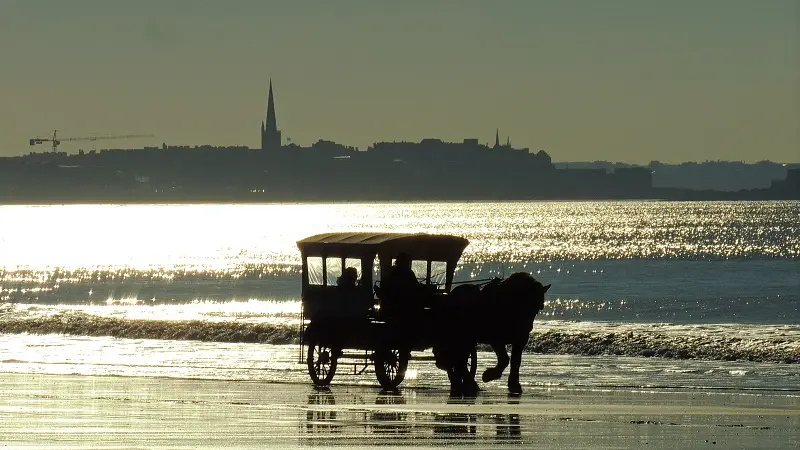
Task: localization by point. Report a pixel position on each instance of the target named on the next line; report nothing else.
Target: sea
(645, 294)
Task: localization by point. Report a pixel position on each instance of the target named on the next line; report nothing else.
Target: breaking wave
(641, 342)
(81, 324)
(665, 346)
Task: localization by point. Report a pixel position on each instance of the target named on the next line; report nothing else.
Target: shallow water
(44, 411)
(57, 354)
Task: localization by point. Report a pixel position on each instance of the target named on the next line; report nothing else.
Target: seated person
(398, 287)
(355, 302)
(348, 279)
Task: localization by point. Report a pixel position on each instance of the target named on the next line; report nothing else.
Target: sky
(627, 81)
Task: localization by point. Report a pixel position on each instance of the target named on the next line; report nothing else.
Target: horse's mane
(516, 280)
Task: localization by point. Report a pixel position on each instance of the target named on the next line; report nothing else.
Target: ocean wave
(81, 324)
(636, 343)
(665, 345)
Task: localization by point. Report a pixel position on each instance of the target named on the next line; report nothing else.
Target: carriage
(342, 321)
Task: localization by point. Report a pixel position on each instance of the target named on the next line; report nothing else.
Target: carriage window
(314, 270)
(438, 272)
(420, 269)
(334, 270)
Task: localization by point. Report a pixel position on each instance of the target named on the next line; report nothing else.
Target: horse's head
(536, 294)
(523, 286)
(543, 290)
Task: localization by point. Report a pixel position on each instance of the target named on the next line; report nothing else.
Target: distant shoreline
(666, 195)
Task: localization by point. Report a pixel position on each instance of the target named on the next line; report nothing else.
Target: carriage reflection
(390, 422)
(356, 419)
(322, 419)
(508, 428)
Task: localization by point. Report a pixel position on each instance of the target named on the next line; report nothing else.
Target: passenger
(348, 279)
(354, 304)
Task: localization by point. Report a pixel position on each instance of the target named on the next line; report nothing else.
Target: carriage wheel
(390, 367)
(321, 364)
(472, 363)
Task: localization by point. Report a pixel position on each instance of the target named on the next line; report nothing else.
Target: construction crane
(55, 140)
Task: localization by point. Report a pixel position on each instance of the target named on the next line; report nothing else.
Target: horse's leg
(447, 360)
(468, 383)
(455, 381)
(494, 373)
(516, 360)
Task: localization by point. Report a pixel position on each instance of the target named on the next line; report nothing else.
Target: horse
(500, 313)
(455, 319)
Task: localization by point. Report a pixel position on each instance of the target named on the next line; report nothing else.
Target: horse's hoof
(456, 386)
(470, 388)
(456, 391)
(491, 374)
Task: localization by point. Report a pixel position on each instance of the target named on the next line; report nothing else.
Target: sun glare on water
(143, 237)
(225, 238)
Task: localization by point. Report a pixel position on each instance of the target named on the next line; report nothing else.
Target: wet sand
(74, 411)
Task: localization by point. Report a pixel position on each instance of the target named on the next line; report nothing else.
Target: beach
(78, 411)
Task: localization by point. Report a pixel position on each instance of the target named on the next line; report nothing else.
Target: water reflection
(321, 419)
(352, 418)
(388, 421)
(508, 428)
(457, 423)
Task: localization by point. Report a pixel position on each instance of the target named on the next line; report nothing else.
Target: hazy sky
(632, 81)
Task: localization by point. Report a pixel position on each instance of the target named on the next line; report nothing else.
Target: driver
(399, 285)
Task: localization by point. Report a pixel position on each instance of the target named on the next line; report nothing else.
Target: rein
(481, 282)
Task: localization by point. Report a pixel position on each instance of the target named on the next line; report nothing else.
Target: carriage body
(345, 322)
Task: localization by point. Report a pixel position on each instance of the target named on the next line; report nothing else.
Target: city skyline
(621, 81)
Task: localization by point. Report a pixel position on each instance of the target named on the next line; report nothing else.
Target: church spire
(497, 138)
(271, 124)
(270, 136)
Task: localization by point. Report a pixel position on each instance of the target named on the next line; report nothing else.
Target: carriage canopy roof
(421, 246)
